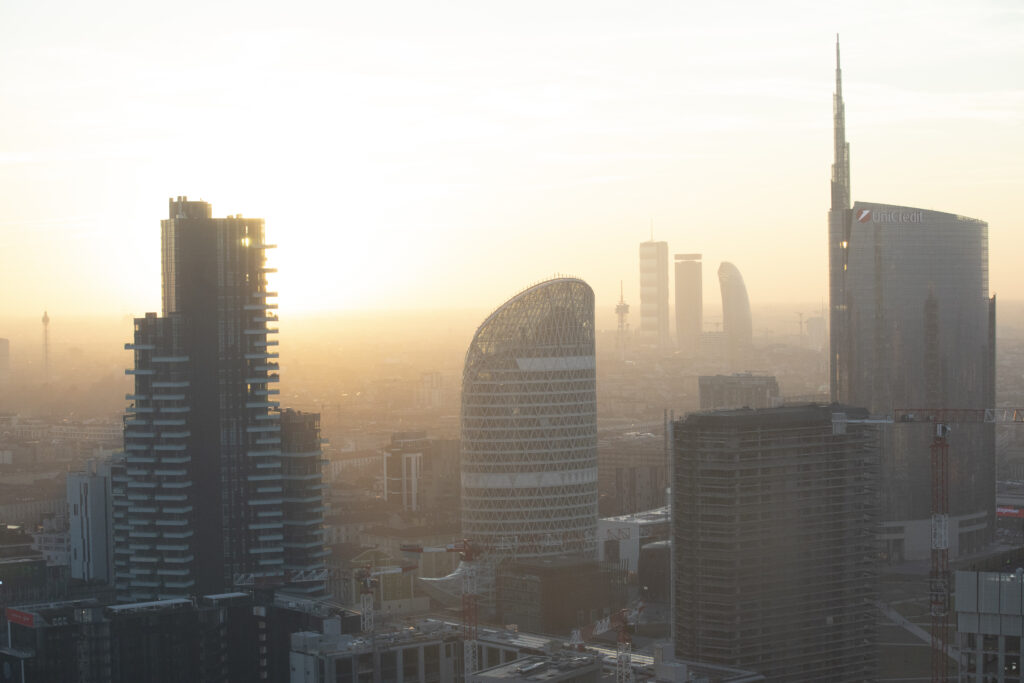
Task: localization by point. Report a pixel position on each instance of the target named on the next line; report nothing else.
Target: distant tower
(621, 311)
(46, 347)
(736, 322)
(5, 362)
(689, 302)
(654, 323)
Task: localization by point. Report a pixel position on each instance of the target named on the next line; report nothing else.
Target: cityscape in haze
(463, 343)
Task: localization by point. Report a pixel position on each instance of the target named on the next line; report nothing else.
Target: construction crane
(469, 554)
(938, 578)
(619, 621)
(368, 580)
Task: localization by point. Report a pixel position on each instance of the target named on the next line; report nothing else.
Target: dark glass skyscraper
(210, 497)
(913, 327)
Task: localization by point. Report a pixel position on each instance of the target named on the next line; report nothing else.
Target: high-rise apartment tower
(220, 488)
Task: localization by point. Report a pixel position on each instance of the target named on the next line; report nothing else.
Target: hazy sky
(447, 154)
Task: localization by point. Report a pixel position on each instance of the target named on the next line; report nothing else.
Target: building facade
(654, 297)
(91, 522)
(529, 424)
(913, 327)
(208, 496)
(774, 554)
(689, 303)
(737, 324)
(740, 390)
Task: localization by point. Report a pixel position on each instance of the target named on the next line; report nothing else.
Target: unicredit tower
(912, 326)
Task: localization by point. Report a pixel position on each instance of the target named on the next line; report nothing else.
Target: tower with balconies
(202, 504)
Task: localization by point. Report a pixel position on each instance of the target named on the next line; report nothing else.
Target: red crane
(939, 578)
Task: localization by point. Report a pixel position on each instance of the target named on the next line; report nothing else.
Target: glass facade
(529, 424)
(736, 321)
(919, 333)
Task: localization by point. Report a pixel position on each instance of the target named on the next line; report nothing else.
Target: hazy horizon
(422, 157)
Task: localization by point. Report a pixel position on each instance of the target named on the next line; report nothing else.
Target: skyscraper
(736, 321)
(689, 303)
(912, 327)
(774, 556)
(529, 424)
(654, 322)
(217, 487)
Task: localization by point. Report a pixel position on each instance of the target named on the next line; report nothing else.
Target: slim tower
(839, 224)
(621, 312)
(46, 347)
(689, 302)
(654, 322)
(737, 324)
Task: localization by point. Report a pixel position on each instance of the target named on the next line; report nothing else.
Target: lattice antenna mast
(622, 312)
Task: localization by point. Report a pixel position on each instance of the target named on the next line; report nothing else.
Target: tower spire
(841, 164)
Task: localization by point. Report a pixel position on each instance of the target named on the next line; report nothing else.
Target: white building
(620, 538)
(90, 522)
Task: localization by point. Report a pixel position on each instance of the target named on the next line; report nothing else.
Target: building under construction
(775, 515)
(633, 469)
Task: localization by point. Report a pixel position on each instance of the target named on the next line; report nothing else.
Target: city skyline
(372, 146)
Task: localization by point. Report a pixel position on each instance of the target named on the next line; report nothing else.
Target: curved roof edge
(931, 212)
(523, 292)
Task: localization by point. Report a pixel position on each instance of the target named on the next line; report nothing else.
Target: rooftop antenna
(622, 310)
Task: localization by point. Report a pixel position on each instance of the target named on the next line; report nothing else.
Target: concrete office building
(774, 554)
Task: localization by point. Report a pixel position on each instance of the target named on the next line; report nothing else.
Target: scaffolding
(775, 555)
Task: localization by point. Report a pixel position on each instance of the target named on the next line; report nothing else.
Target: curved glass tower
(912, 326)
(529, 425)
(736, 322)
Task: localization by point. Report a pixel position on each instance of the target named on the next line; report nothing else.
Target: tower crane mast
(942, 420)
